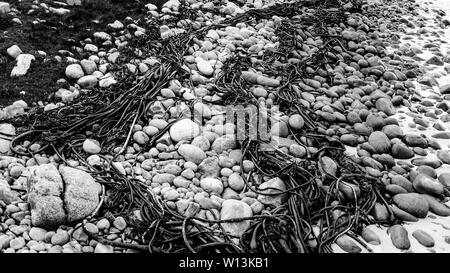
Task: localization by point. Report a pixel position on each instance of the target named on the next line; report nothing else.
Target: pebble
(380, 142)
(60, 238)
(103, 224)
(423, 238)
(74, 71)
(101, 248)
(141, 137)
(260, 92)
(211, 185)
(347, 244)
(436, 206)
(91, 228)
(385, 105)
(224, 143)
(370, 236)
(88, 66)
(192, 153)
(17, 243)
(296, 122)
(184, 129)
(235, 209)
(91, 146)
(399, 237)
(413, 203)
(14, 51)
(37, 234)
(444, 179)
(204, 67)
(23, 65)
(401, 151)
(119, 223)
(87, 82)
(444, 156)
(236, 182)
(426, 184)
(328, 166)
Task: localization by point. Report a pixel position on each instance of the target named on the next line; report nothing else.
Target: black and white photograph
(224, 135)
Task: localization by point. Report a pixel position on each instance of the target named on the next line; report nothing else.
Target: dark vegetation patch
(51, 33)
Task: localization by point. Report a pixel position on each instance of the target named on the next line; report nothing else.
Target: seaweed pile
(328, 194)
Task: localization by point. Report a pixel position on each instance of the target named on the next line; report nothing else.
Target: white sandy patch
(438, 227)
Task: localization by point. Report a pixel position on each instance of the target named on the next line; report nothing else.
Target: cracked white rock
(81, 194)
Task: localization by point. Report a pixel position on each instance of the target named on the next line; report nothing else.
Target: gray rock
(211, 185)
(60, 238)
(209, 167)
(415, 141)
(119, 223)
(444, 179)
(8, 129)
(445, 89)
(348, 244)
(403, 215)
(101, 248)
(224, 143)
(91, 146)
(423, 238)
(88, 66)
(236, 182)
(204, 67)
(444, 156)
(436, 206)
(184, 129)
(434, 163)
(273, 187)
(380, 212)
(380, 142)
(4, 7)
(328, 166)
(74, 71)
(17, 243)
(426, 184)
(412, 203)
(14, 51)
(37, 234)
(232, 209)
(192, 153)
(385, 105)
(45, 187)
(399, 237)
(370, 237)
(81, 195)
(162, 178)
(392, 131)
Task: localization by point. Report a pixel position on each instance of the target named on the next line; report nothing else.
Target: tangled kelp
(316, 212)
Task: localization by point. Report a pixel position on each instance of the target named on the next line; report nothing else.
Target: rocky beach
(258, 126)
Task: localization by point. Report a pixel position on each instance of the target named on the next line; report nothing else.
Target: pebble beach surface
(388, 104)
